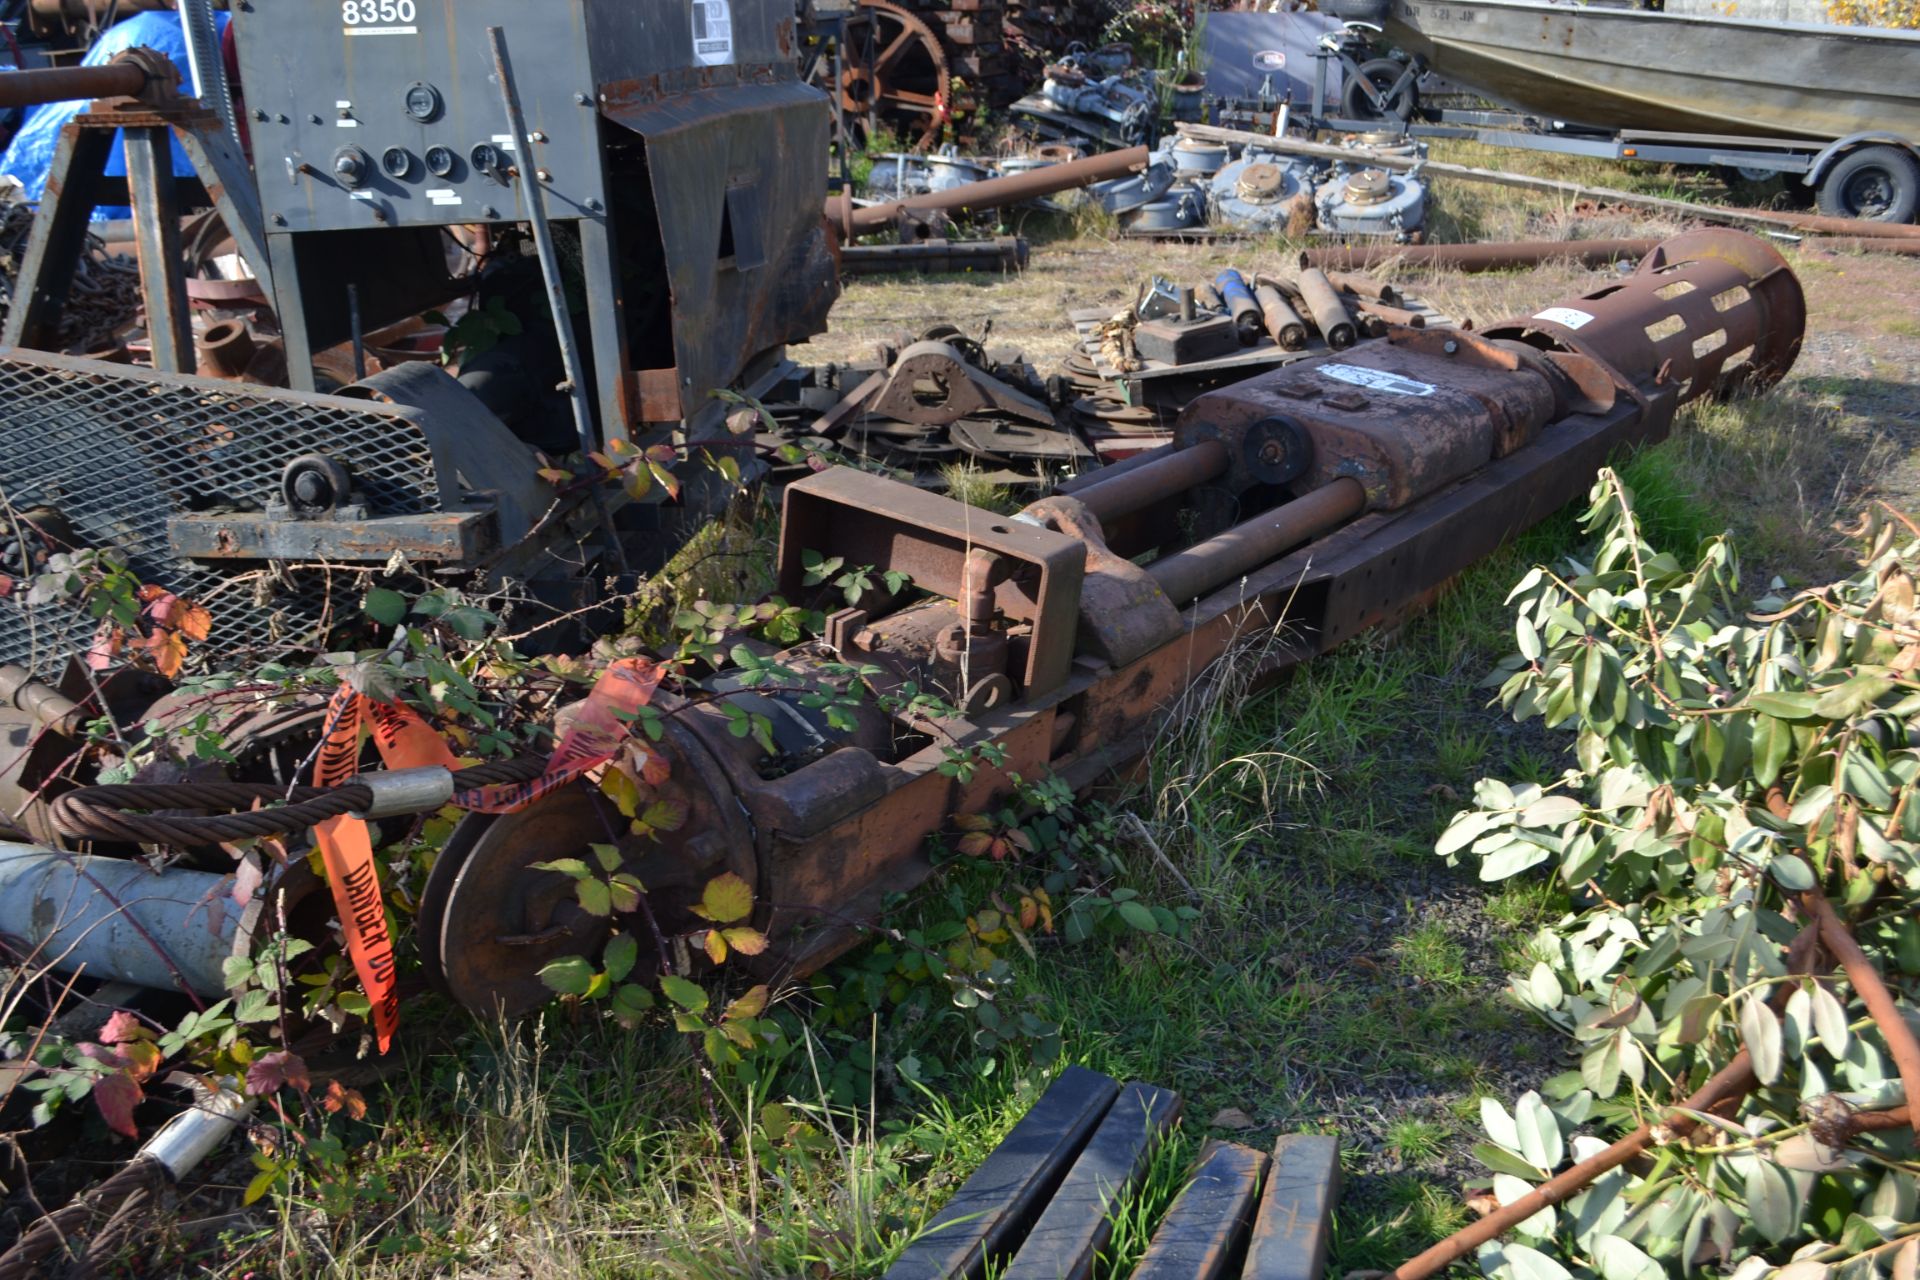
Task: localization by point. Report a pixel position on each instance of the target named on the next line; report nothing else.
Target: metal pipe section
(1283, 323)
(114, 917)
(994, 192)
(946, 257)
(1109, 498)
(121, 79)
(47, 706)
(1330, 314)
(1187, 575)
(1478, 257)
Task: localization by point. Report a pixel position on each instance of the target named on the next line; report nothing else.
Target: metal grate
(117, 450)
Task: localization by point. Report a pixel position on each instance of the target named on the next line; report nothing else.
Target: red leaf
(194, 620)
(169, 650)
(107, 641)
(123, 1026)
(117, 1095)
(272, 1072)
(340, 1098)
(247, 877)
(150, 593)
(653, 766)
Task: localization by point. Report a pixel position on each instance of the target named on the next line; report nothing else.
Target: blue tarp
(30, 154)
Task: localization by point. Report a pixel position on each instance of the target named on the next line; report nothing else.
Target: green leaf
(1830, 1022)
(1551, 811)
(1511, 859)
(1771, 1202)
(1772, 745)
(1760, 1029)
(690, 996)
(1528, 639)
(595, 897)
(1619, 1259)
(620, 955)
(565, 866)
(1139, 916)
(1851, 698)
(385, 607)
(1540, 1140)
(569, 975)
(1531, 1264)
(1785, 706)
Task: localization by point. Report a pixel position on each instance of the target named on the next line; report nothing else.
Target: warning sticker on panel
(1567, 316)
(712, 33)
(1376, 380)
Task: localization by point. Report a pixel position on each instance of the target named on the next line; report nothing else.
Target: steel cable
(138, 812)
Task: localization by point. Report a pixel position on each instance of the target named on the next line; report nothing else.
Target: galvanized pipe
(121, 79)
(1150, 482)
(114, 917)
(1330, 314)
(994, 192)
(1188, 575)
(1478, 257)
(47, 706)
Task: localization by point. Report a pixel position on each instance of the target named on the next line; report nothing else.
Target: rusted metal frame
(223, 172)
(457, 537)
(928, 537)
(156, 240)
(58, 236)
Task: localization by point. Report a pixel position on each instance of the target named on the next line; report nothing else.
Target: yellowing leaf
(748, 942)
(716, 946)
(725, 899)
(750, 1005)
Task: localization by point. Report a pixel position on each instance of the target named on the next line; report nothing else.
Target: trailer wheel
(1382, 74)
(1880, 183)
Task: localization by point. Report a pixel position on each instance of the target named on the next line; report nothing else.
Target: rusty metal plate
(895, 527)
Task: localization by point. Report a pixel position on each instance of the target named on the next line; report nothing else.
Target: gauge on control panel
(441, 161)
(423, 102)
(396, 162)
(487, 158)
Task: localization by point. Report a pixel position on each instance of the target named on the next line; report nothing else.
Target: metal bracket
(932, 384)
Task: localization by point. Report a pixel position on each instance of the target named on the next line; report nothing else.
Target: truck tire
(1878, 183)
(1383, 74)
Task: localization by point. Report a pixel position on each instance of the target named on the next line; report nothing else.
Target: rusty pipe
(1329, 312)
(1188, 575)
(1505, 256)
(1109, 498)
(45, 705)
(1284, 324)
(990, 194)
(122, 78)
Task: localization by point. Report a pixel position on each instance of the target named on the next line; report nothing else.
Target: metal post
(156, 240)
(353, 329)
(536, 202)
(204, 64)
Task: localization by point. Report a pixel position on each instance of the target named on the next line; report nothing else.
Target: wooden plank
(1078, 1220)
(1296, 1211)
(1203, 1234)
(994, 1207)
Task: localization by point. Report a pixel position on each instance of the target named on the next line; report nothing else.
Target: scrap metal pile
(1303, 504)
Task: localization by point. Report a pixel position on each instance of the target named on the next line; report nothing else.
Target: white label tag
(1376, 380)
(712, 33)
(1567, 316)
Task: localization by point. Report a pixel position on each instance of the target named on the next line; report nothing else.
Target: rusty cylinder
(993, 192)
(1188, 575)
(1240, 305)
(121, 79)
(1284, 324)
(1164, 477)
(1329, 312)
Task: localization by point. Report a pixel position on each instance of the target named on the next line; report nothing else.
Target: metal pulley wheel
(893, 64)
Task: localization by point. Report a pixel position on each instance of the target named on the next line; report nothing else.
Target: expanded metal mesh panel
(116, 451)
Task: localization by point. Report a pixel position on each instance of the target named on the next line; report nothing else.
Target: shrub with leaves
(1741, 849)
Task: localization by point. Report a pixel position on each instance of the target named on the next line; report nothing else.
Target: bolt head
(582, 99)
(259, 115)
(279, 219)
(1450, 346)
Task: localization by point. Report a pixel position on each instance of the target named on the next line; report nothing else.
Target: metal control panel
(386, 113)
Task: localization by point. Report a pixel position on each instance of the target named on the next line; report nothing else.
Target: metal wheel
(894, 65)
